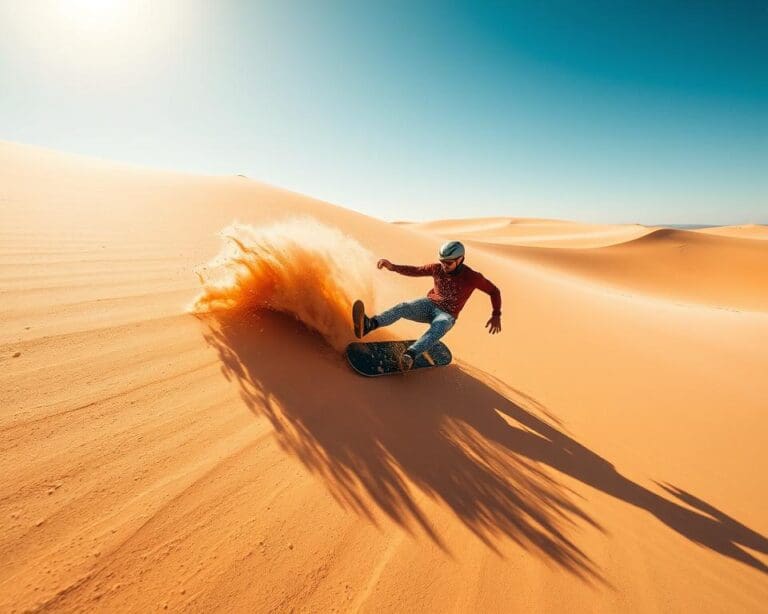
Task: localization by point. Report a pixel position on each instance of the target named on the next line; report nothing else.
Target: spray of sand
(299, 267)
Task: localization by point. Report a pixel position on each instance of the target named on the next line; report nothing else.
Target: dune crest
(742, 231)
(682, 266)
(300, 267)
(537, 232)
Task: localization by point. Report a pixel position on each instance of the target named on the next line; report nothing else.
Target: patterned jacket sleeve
(414, 271)
(486, 286)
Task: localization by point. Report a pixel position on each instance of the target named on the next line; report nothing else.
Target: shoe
(358, 319)
(406, 361)
(362, 323)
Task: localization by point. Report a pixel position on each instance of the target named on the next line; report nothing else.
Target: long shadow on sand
(451, 434)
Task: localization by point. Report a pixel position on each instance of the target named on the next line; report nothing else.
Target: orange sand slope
(179, 427)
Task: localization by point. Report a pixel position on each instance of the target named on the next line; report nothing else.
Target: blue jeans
(420, 310)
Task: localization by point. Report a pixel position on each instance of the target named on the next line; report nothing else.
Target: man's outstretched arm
(489, 288)
(406, 269)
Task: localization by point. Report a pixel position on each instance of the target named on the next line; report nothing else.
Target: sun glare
(100, 41)
(91, 9)
(94, 13)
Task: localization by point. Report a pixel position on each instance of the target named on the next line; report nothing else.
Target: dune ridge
(743, 231)
(534, 232)
(678, 265)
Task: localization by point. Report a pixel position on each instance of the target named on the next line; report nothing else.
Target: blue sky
(651, 112)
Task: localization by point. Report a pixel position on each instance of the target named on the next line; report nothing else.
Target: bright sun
(98, 41)
(94, 13)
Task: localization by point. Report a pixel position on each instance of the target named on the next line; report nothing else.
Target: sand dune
(536, 232)
(746, 231)
(204, 446)
(676, 265)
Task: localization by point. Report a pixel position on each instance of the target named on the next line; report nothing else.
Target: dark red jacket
(452, 290)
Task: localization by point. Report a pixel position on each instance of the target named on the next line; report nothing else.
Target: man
(454, 282)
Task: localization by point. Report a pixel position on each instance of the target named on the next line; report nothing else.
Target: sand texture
(179, 428)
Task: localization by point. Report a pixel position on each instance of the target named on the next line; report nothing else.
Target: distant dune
(180, 429)
(746, 231)
(537, 232)
(674, 265)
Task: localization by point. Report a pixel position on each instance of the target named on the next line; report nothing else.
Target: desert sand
(180, 430)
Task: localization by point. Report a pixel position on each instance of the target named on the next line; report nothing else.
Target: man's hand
(495, 325)
(384, 264)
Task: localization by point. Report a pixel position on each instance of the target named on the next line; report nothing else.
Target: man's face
(449, 265)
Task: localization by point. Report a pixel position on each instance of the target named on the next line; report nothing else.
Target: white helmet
(451, 250)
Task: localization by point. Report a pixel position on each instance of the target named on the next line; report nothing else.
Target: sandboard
(376, 358)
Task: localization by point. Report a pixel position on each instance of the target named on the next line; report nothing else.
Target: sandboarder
(454, 283)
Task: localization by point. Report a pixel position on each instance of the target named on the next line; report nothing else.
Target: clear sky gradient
(650, 112)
